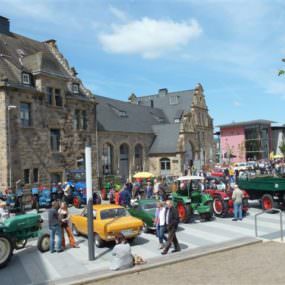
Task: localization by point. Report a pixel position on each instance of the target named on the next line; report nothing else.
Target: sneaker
(60, 250)
(161, 246)
(164, 252)
(52, 251)
(234, 220)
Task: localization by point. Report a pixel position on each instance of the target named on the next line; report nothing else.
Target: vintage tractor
(14, 201)
(14, 233)
(41, 197)
(190, 200)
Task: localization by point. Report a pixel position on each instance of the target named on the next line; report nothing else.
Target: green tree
(282, 148)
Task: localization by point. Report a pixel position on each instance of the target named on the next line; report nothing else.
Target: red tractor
(223, 205)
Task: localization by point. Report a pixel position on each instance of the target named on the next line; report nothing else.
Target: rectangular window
(35, 175)
(25, 114)
(27, 176)
(75, 88)
(76, 120)
(58, 98)
(84, 118)
(49, 95)
(55, 140)
(173, 100)
(26, 78)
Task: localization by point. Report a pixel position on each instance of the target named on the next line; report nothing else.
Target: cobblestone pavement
(258, 264)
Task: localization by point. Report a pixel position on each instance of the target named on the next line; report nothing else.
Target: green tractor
(14, 233)
(190, 200)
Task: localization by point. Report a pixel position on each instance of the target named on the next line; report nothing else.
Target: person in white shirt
(122, 255)
(160, 223)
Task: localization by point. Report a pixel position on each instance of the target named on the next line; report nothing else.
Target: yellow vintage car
(108, 221)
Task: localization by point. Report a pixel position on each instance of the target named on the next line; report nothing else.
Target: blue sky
(233, 48)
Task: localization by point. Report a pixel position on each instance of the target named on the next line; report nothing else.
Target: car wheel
(220, 207)
(19, 244)
(145, 228)
(98, 241)
(74, 230)
(44, 242)
(6, 250)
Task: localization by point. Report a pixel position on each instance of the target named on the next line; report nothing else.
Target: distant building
(243, 141)
(165, 133)
(278, 138)
(46, 114)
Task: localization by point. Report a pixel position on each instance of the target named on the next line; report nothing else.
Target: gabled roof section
(247, 123)
(119, 116)
(172, 103)
(166, 138)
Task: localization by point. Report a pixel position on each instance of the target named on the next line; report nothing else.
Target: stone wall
(31, 147)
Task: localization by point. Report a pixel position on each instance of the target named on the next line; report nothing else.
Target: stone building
(165, 133)
(46, 114)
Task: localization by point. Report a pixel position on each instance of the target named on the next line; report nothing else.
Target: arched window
(164, 166)
(107, 159)
(124, 160)
(138, 157)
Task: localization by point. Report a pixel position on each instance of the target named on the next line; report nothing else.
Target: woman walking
(64, 219)
(160, 223)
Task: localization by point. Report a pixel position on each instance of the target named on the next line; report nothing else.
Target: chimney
(4, 25)
(162, 92)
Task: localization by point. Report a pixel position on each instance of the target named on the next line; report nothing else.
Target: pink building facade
(233, 144)
(244, 141)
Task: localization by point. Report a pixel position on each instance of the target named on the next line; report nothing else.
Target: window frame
(25, 123)
(165, 162)
(76, 89)
(27, 179)
(35, 175)
(27, 76)
(58, 140)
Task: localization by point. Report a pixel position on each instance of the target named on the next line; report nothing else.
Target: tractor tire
(98, 241)
(76, 202)
(19, 244)
(268, 203)
(6, 250)
(184, 212)
(220, 207)
(44, 242)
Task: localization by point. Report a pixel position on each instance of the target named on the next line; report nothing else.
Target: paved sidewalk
(261, 263)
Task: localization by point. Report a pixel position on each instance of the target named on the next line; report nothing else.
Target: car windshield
(113, 213)
(149, 206)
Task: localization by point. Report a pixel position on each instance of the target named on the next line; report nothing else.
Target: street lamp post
(9, 107)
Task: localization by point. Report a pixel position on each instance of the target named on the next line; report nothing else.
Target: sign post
(88, 169)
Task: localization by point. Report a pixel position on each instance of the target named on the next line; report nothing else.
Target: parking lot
(30, 266)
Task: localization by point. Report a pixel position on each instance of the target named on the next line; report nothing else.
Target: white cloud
(119, 14)
(237, 103)
(276, 88)
(149, 38)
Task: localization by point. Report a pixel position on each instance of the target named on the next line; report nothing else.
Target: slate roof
(166, 138)
(114, 115)
(18, 53)
(172, 111)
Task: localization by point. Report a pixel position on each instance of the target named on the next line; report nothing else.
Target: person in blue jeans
(237, 198)
(160, 223)
(54, 227)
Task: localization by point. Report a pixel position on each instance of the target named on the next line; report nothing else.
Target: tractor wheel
(98, 241)
(267, 202)
(184, 212)
(44, 242)
(6, 250)
(74, 230)
(76, 202)
(220, 207)
(19, 244)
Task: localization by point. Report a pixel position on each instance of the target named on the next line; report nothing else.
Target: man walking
(54, 227)
(237, 198)
(172, 220)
